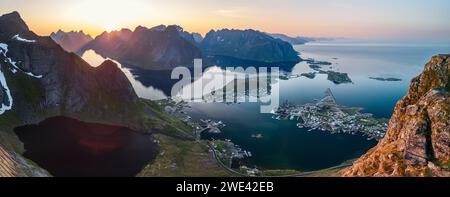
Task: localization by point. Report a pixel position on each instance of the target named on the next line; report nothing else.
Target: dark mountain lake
(68, 147)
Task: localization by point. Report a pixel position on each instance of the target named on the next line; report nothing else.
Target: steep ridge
(51, 78)
(417, 142)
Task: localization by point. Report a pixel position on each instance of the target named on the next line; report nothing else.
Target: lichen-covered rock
(13, 165)
(417, 142)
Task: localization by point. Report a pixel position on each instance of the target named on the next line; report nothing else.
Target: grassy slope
(182, 158)
(179, 154)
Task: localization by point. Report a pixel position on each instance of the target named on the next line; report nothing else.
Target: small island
(338, 78)
(385, 79)
(333, 76)
(315, 62)
(257, 136)
(310, 75)
(315, 67)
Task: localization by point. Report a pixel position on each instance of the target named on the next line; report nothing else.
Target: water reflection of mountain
(159, 79)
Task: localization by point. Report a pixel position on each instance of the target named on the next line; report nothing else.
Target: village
(327, 115)
(229, 155)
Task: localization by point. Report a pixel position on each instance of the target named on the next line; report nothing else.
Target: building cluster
(327, 115)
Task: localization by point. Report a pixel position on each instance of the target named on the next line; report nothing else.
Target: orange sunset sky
(363, 19)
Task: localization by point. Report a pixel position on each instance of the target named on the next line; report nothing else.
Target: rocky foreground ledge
(417, 142)
(13, 165)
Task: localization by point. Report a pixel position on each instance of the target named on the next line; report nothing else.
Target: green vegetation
(351, 111)
(182, 158)
(277, 172)
(9, 120)
(335, 172)
(372, 121)
(220, 145)
(338, 78)
(168, 124)
(31, 88)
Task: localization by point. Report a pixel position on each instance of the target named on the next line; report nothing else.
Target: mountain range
(71, 41)
(39, 79)
(298, 40)
(156, 48)
(40, 75)
(165, 47)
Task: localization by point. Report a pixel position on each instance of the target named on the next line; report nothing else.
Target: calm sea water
(284, 146)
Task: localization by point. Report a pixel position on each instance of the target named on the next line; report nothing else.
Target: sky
(390, 20)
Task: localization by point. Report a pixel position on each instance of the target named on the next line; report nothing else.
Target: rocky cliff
(417, 142)
(14, 165)
(71, 41)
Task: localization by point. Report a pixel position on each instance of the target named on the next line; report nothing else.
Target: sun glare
(110, 27)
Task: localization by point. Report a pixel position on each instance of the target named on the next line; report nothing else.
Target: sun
(110, 27)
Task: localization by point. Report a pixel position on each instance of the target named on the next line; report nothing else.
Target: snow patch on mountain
(18, 38)
(5, 88)
(3, 84)
(4, 48)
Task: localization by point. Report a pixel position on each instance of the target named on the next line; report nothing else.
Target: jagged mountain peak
(68, 83)
(13, 24)
(14, 17)
(71, 41)
(159, 28)
(140, 28)
(108, 68)
(161, 47)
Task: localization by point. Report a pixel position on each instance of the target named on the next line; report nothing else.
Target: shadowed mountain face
(71, 41)
(41, 76)
(248, 45)
(417, 142)
(158, 48)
